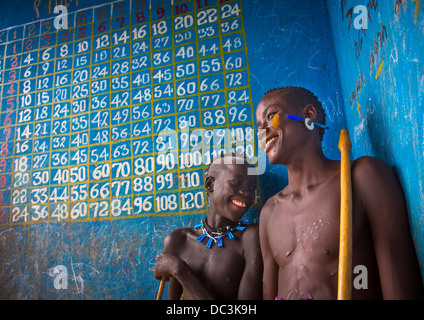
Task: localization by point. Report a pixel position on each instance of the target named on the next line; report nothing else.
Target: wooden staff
(161, 287)
(344, 289)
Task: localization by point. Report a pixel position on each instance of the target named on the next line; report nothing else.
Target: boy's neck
(308, 169)
(215, 220)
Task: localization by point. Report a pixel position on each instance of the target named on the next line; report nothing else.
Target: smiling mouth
(239, 203)
(270, 141)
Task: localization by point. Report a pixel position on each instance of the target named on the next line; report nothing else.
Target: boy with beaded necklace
(220, 257)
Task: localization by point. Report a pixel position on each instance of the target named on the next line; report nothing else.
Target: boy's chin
(274, 157)
(236, 213)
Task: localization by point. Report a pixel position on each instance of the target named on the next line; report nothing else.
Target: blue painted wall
(384, 110)
(288, 43)
(304, 43)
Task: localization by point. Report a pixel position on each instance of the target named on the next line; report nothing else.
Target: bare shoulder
(377, 187)
(252, 231)
(176, 239)
(370, 173)
(250, 240)
(270, 205)
(364, 166)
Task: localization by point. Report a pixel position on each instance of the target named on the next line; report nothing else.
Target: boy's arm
(381, 196)
(270, 268)
(169, 265)
(251, 282)
(175, 290)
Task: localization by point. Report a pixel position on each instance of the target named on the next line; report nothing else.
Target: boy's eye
(271, 115)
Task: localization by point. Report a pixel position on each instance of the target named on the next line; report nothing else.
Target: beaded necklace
(217, 235)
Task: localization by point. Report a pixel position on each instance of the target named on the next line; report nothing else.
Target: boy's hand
(167, 266)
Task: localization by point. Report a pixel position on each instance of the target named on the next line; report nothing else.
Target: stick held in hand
(161, 288)
(344, 290)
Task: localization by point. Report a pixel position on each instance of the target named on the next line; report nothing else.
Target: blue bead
(220, 241)
(200, 239)
(240, 228)
(209, 243)
(230, 235)
(198, 225)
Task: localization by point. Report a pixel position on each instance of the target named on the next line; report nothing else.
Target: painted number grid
(119, 115)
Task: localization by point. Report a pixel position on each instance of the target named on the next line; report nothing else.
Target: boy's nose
(262, 133)
(245, 192)
(264, 126)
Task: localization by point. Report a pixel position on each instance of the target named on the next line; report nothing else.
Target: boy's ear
(309, 111)
(209, 182)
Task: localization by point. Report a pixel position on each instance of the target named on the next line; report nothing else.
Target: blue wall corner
(382, 77)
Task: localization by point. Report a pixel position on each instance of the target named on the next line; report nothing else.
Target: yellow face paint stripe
(276, 121)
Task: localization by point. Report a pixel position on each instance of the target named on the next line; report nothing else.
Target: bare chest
(305, 231)
(219, 269)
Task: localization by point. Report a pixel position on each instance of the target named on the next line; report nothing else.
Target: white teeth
(271, 140)
(239, 203)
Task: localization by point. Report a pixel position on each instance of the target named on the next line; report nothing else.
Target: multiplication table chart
(120, 114)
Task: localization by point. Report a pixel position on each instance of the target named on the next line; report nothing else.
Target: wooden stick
(161, 288)
(344, 290)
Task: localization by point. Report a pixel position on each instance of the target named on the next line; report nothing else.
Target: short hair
(301, 97)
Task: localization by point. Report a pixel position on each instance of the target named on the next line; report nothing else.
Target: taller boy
(299, 226)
